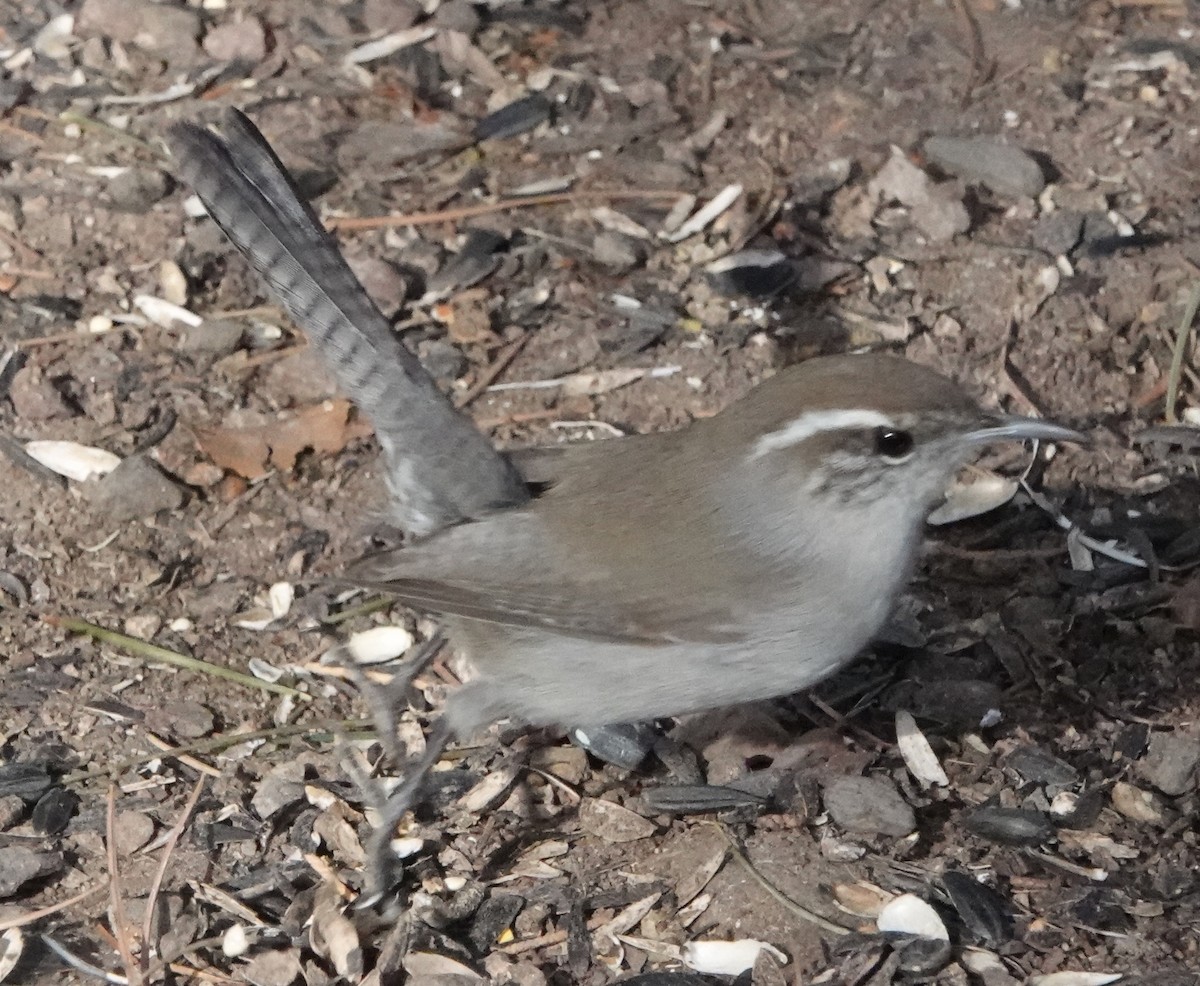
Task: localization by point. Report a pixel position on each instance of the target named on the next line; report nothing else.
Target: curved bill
(1006, 428)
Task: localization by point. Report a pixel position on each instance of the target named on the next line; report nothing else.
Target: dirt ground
(1056, 685)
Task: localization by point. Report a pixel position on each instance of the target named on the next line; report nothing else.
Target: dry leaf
(423, 966)
(253, 452)
(334, 936)
(467, 319)
(613, 823)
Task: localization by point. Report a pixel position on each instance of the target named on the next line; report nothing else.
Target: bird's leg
(379, 856)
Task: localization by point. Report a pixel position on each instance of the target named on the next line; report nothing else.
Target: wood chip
(613, 823)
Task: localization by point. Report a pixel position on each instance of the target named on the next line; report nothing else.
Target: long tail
(441, 470)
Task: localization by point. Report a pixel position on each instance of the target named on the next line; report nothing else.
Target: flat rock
(19, 865)
(35, 398)
(238, 40)
(1170, 762)
(612, 822)
(1001, 167)
(136, 190)
(935, 209)
(136, 488)
(1058, 233)
(869, 806)
(164, 28)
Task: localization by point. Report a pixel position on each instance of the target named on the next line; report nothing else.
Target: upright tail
(441, 469)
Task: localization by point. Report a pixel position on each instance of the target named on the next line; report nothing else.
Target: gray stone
(237, 40)
(166, 29)
(869, 805)
(389, 15)
(215, 336)
(136, 488)
(936, 210)
(457, 15)
(384, 283)
(1058, 233)
(1005, 169)
(135, 190)
(441, 359)
(19, 865)
(618, 253)
(1036, 765)
(1170, 762)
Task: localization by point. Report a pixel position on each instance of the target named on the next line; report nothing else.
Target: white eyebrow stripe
(815, 422)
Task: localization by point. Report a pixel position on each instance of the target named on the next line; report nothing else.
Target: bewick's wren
(743, 557)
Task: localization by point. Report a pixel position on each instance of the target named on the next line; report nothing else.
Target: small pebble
(869, 806)
(237, 40)
(135, 190)
(135, 488)
(1170, 762)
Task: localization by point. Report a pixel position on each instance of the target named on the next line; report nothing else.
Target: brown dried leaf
(255, 451)
(334, 828)
(467, 319)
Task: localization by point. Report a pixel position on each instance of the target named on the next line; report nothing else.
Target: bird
(742, 557)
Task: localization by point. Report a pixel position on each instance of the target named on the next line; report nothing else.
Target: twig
(197, 765)
(1181, 338)
(1094, 873)
(72, 335)
(92, 123)
(498, 366)
(365, 609)
(80, 965)
(1089, 542)
(168, 848)
(798, 909)
(982, 67)
(556, 937)
(522, 418)
(557, 782)
(152, 652)
(488, 208)
(845, 723)
(20, 921)
(996, 554)
(21, 247)
(120, 923)
(217, 743)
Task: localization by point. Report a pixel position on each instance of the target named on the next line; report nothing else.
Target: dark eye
(893, 444)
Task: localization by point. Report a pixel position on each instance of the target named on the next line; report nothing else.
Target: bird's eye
(892, 444)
